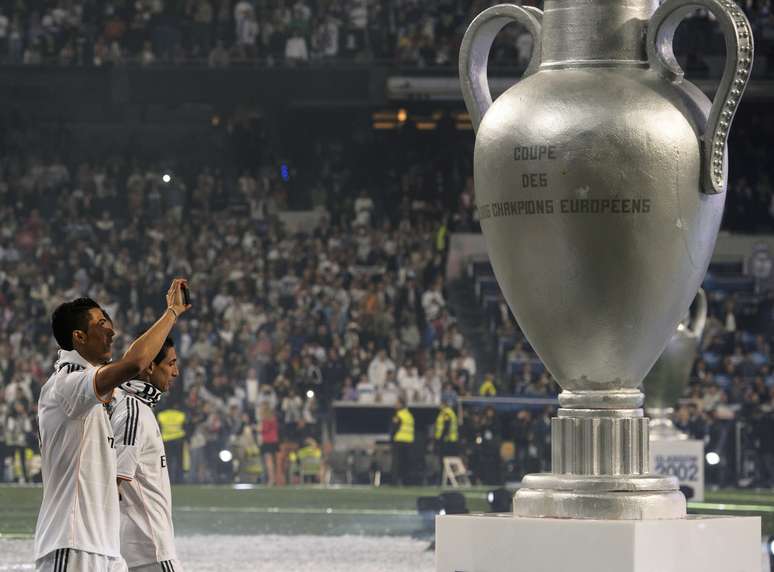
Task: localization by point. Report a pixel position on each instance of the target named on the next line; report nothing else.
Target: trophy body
(600, 184)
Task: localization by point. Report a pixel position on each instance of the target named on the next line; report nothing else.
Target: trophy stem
(600, 469)
(591, 442)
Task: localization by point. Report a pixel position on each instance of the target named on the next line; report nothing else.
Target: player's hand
(175, 300)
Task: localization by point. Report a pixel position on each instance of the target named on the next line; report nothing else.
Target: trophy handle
(474, 52)
(699, 316)
(739, 55)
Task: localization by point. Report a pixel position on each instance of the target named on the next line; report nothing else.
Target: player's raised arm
(142, 351)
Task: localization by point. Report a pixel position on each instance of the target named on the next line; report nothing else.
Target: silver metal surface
(611, 505)
(666, 381)
(599, 186)
(738, 37)
(599, 484)
(599, 445)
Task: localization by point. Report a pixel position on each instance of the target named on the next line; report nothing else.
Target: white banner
(681, 459)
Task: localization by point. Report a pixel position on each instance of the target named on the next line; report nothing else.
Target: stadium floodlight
(167, 178)
(768, 550)
(310, 394)
(712, 458)
(225, 456)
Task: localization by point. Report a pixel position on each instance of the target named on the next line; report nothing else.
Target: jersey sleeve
(77, 393)
(127, 431)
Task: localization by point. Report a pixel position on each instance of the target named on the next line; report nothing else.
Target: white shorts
(166, 566)
(72, 560)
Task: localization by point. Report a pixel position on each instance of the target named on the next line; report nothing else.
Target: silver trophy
(666, 381)
(600, 183)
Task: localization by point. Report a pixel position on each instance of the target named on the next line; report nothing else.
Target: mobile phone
(186, 295)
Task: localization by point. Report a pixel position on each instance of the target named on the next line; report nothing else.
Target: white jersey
(147, 534)
(80, 500)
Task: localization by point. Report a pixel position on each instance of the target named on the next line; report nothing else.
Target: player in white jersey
(78, 524)
(147, 534)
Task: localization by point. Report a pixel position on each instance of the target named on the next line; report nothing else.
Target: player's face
(98, 343)
(166, 371)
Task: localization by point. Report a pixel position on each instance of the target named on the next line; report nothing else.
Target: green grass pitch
(325, 511)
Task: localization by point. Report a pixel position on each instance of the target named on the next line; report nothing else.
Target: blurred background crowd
(289, 320)
(348, 302)
(220, 33)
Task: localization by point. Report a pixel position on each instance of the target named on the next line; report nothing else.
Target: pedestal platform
(504, 543)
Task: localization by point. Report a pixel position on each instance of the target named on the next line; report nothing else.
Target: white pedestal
(683, 459)
(504, 543)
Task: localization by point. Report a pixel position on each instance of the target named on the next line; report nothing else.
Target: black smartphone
(186, 295)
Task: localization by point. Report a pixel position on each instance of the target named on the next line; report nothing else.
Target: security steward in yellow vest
(172, 423)
(402, 442)
(447, 431)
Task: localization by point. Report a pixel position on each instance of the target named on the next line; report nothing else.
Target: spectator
(488, 387)
(292, 412)
(296, 51)
(18, 431)
(379, 368)
(366, 391)
(219, 56)
(269, 442)
(247, 32)
(348, 392)
(4, 30)
(147, 57)
(4, 447)
(364, 207)
(202, 24)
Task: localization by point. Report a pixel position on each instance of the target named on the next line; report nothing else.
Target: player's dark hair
(71, 316)
(168, 343)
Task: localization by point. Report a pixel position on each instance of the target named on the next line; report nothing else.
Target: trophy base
(624, 497)
(504, 543)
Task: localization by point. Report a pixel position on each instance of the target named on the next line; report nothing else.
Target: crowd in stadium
(294, 32)
(286, 321)
(351, 304)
